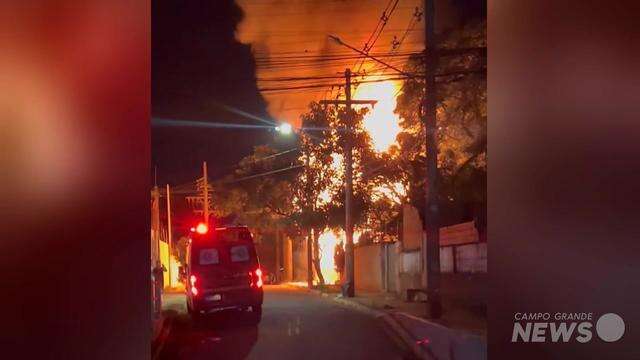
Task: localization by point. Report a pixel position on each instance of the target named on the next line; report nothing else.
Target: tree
(312, 188)
(255, 197)
(319, 189)
(461, 121)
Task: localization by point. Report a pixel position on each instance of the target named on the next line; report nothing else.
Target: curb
(442, 343)
(396, 330)
(359, 307)
(436, 341)
(406, 338)
(313, 291)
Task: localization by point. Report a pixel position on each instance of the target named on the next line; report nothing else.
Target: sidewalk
(172, 304)
(156, 327)
(459, 335)
(456, 315)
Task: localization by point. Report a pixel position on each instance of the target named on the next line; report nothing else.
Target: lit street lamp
(284, 128)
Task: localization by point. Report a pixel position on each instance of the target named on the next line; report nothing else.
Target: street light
(284, 128)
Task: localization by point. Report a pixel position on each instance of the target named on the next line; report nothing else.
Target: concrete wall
(472, 258)
(461, 251)
(386, 267)
(409, 271)
(368, 268)
(446, 259)
(462, 257)
(266, 251)
(411, 262)
(470, 281)
(300, 261)
(391, 266)
(411, 228)
(287, 260)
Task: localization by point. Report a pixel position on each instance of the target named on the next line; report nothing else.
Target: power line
(323, 51)
(294, 32)
(185, 188)
(417, 16)
(367, 47)
(377, 31)
(276, 154)
(326, 85)
(384, 18)
(309, 57)
(306, 78)
(263, 174)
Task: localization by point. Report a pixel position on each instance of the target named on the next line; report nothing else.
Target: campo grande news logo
(566, 327)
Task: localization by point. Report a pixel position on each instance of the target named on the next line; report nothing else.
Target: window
(239, 253)
(209, 257)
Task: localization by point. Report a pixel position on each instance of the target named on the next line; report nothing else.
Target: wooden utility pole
(203, 188)
(205, 201)
(155, 225)
(309, 259)
(348, 289)
(348, 193)
(278, 255)
(431, 244)
(309, 235)
(169, 235)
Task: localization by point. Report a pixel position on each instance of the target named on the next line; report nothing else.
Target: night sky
(197, 66)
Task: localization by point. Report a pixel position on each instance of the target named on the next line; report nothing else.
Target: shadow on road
(224, 335)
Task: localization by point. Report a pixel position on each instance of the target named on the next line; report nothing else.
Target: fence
(461, 250)
(368, 266)
(391, 267)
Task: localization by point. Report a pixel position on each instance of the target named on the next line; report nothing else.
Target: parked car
(223, 272)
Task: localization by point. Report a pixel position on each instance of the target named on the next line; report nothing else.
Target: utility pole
(155, 224)
(348, 289)
(431, 245)
(205, 201)
(169, 232)
(278, 256)
(309, 235)
(348, 193)
(202, 188)
(309, 259)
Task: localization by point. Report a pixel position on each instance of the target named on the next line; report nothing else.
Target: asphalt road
(296, 324)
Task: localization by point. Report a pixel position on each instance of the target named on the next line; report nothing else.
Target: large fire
(382, 124)
(279, 34)
(292, 42)
(171, 278)
(327, 243)
(174, 281)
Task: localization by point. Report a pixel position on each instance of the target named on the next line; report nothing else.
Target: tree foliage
(309, 198)
(256, 199)
(461, 120)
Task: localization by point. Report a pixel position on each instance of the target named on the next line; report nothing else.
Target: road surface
(296, 324)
